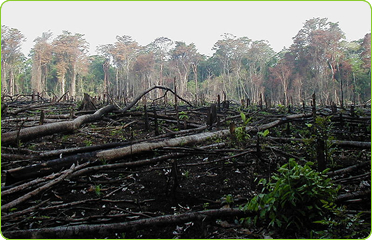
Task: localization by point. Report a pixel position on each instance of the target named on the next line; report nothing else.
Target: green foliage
(228, 199)
(241, 134)
(205, 205)
(264, 133)
(245, 119)
(281, 108)
(294, 198)
(321, 130)
(88, 142)
(183, 116)
(340, 224)
(186, 174)
(97, 190)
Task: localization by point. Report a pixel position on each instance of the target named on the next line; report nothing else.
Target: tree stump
(87, 103)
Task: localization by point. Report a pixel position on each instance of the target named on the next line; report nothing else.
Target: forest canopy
(319, 60)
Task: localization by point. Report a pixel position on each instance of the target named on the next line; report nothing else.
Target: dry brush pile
(166, 170)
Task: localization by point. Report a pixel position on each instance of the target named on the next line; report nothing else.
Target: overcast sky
(198, 22)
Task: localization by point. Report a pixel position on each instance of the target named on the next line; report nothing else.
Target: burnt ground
(219, 173)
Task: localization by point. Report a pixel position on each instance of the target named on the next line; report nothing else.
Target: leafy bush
(294, 199)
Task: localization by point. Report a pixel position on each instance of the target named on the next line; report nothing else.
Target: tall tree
(123, 53)
(257, 63)
(69, 49)
(282, 71)
(161, 46)
(230, 52)
(182, 56)
(317, 50)
(41, 57)
(11, 41)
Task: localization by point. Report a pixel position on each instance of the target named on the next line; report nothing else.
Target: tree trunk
(73, 81)
(43, 130)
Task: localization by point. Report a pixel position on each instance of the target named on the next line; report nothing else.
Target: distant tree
(366, 53)
(283, 71)
(257, 64)
(230, 52)
(41, 58)
(182, 57)
(69, 50)
(143, 68)
(160, 47)
(11, 56)
(317, 50)
(123, 53)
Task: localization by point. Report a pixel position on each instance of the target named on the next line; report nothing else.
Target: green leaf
(242, 115)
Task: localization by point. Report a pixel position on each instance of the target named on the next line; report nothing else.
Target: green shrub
(294, 199)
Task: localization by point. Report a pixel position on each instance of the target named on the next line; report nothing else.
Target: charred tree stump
(156, 123)
(334, 108)
(147, 125)
(42, 117)
(321, 155)
(87, 103)
(211, 115)
(174, 181)
(218, 103)
(313, 104)
(258, 147)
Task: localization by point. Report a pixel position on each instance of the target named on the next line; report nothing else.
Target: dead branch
(37, 106)
(147, 91)
(22, 212)
(38, 190)
(42, 169)
(78, 230)
(28, 184)
(349, 169)
(351, 195)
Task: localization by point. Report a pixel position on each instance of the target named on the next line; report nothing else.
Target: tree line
(319, 61)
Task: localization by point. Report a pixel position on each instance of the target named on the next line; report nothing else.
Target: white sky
(198, 22)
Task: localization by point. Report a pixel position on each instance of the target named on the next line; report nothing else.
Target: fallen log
(48, 129)
(352, 195)
(48, 167)
(80, 230)
(43, 169)
(349, 169)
